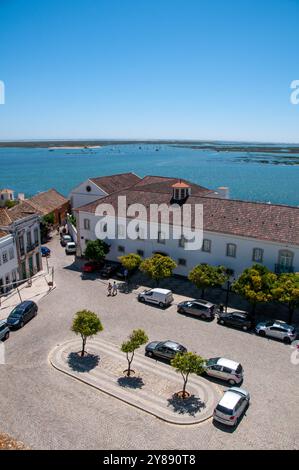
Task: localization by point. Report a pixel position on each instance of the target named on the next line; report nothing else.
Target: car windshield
(213, 361)
(224, 410)
(16, 313)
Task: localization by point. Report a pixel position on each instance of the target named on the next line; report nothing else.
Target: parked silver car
(277, 329)
(164, 349)
(4, 330)
(224, 369)
(231, 407)
(199, 308)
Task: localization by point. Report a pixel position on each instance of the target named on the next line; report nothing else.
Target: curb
(122, 399)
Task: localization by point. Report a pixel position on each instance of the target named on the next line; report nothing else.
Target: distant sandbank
(81, 147)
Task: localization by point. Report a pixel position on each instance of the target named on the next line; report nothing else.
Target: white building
(8, 262)
(95, 188)
(236, 234)
(23, 225)
(6, 195)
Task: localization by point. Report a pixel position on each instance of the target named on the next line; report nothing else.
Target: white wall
(8, 247)
(217, 256)
(79, 196)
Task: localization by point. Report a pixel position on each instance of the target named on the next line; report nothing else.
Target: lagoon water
(255, 176)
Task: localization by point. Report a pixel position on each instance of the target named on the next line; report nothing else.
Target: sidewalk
(38, 289)
(151, 388)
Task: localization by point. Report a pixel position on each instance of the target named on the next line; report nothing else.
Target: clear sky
(194, 69)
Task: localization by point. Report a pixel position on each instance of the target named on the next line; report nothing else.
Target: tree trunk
(184, 387)
(129, 364)
(291, 313)
(83, 346)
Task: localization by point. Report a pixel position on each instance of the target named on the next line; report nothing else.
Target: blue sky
(149, 69)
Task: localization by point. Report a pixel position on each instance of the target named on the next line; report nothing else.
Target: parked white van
(161, 297)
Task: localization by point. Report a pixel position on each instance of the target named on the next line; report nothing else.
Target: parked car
(21, 314)
(108, 270)
(45, 251)
(241, 320)
(199, 308)
(70, 248)
(4, 331)
(92, 266)
(231, 407)
(65, 239)
(161, 297)
(277, 329)
(164, 349)
(224, 369)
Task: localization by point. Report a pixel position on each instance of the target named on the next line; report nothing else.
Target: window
(161, 237)
(286, 258)
(29, 241)
(257, 255)
(103, 227)
(231, 250)
(36, 236)
(206, 245)
(11, 253)
(182, 262)
(86, 224)
(4, 257)
(121, 248)
(140, 253)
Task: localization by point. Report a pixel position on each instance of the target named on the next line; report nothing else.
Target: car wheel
(141, 299)
(21, 324)
(181, 310)
(161, 305)
(149, 354)
(222, 322)
(262, 333)
(35, 313)
(6, 336)
(245, 328)
(203, 317)
(232, 382)
(287, 340)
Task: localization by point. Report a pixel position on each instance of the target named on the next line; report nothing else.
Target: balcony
(281, 269)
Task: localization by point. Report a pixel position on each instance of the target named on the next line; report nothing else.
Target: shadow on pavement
(82, 364)
(190, 405)
(130, 382)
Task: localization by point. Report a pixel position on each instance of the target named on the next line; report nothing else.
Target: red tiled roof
(113, 183)
(46, 202)
(5, 220)
(21, 210)
(164, 184)
(269, 222)
(180, 185)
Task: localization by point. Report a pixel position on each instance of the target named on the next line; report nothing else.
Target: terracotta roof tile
(270, 222)
(46, 202)
(113, 183)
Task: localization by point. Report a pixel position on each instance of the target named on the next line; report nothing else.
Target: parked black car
(164, 349)
(64, 239)
(242, 320)
(108, 270)
(21, 314)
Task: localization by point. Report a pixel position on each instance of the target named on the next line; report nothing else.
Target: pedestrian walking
(114, 289)
(109, 289)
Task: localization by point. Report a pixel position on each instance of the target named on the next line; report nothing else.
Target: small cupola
(180, 191)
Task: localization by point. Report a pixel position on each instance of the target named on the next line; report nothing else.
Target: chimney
(180, 191)
(223, 192)
(21, 196)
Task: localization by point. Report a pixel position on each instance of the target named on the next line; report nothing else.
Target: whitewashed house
(236, 234)
(8, 262)
(95, 188)
(22, 224)
(6, 195)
